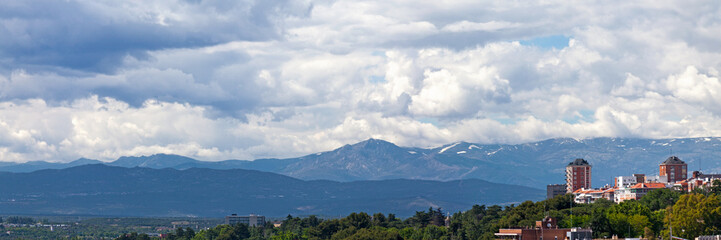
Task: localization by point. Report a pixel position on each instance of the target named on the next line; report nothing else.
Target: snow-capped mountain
(532, 164)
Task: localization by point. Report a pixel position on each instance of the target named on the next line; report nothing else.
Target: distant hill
(530, 164)
(154, 161)
(106, 190)
(40, 165)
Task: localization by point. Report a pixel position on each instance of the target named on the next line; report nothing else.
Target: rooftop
(673, 160)
(649, 185)
(579, 162)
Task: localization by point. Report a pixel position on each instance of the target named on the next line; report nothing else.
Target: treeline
(690, 215)
(19, 220)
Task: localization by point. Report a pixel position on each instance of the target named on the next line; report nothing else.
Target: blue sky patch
(429, 120)
(378, 53)
(586, 116)
(506, 121)
(548, 42)
(377, 79)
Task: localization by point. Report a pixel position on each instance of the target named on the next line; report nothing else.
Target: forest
(688, 214)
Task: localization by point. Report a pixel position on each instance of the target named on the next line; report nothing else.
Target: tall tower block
(578, 175)
(674, 169)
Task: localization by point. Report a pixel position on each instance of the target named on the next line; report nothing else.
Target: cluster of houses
(672, 174)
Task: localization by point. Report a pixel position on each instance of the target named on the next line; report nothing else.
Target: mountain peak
(160, 160)
(460, 145)
(83, 161)
(373, 143)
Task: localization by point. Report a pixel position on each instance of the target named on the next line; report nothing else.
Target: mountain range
(98, 189)
(534, 164)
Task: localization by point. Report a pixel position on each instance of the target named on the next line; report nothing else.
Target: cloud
(696, 88)
(466, 26)
(96, 36)
(444, 93)
(251, 79)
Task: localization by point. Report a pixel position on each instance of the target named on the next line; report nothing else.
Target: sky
(244, 79)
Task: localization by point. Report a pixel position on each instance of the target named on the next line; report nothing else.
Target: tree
(375, 233)
(437, 217)
(715, 187)
(226, 232)
(600, 224)
(344, 233)
(660, 198)
(420, 219)
(179, 233)
(576, 221)
(134, 236)
(694, 215)
(379, 220)
(648, 233)
(434, 232)
(20, 220)
(638, 224)
(285, 235)
(619, 224)
(559, 202)
(357, 220)
(310, 221)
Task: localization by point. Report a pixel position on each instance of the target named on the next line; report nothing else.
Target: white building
(657, 179)
(637, 191)
(625, 181)
(252, 220)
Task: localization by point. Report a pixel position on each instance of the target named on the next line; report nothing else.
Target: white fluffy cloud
(227, 79)
(697, 88)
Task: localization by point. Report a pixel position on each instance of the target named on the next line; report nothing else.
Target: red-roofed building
(591, 195)
(698, 180)
(609, 194)
(545, 229)
(674, 169)
(636, 192)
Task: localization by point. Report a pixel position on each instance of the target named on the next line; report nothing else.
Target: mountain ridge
(98, 189)
(532, 164)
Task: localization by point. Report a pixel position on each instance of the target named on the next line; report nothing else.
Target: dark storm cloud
(90, 36)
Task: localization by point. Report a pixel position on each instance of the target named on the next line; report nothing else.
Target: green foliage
(715, 188)
(134, 236)
(182, 234)
(422, 219)
(357, 220)
(285, 235)
(690, 215)
(375, 233)
(20, 220)
(695, 215)
(660, 199)
(380, 220)
(576, 221)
